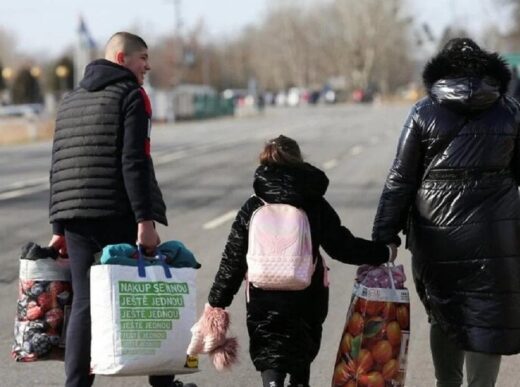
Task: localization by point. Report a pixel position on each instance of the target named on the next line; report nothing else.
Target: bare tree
(510, 40)
(372, 45)
(164, 58)
(233, 61)
(7, 48)
(364, 42)
(297, 44)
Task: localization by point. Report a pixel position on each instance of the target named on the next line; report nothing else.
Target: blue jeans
(448, 360)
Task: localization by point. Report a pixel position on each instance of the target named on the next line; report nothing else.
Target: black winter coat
(101, 164)
(464, 231)
(285, 326)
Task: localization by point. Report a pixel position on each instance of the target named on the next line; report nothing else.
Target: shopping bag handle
(389, 266)
(162, 260)
(141, 266)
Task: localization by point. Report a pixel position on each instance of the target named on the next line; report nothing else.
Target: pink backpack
(279, 256)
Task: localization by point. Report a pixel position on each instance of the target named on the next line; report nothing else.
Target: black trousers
(84, 239)
(275, 378)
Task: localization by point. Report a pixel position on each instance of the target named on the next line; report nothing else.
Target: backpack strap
(246, 278)
(247, 289)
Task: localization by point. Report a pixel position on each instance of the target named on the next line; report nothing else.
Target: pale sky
(48, 26)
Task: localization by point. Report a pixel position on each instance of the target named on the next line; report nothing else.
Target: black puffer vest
(87, 179)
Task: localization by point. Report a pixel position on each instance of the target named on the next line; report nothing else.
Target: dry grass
(21, 130)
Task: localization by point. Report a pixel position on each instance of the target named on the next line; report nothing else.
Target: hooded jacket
(101, 164)
(285, 326)
(464, 216)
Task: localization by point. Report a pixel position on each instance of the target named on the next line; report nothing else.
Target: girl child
(285, 327)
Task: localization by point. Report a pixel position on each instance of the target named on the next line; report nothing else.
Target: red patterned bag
(374, 343)
(44, 300)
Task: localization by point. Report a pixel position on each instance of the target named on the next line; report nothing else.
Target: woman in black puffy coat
(463, 216)
(285, 326)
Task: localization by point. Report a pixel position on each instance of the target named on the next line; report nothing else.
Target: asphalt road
(205, 171)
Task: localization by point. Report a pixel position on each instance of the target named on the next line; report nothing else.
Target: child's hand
(393, 252)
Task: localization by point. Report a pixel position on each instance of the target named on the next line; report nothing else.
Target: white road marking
(165, 159)
(23, 191)
(39, 184)
(220, 220)
(356, 150)
(330, 164)
(165, 156)
(25, 183)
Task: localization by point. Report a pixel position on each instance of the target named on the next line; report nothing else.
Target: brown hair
(281, 150)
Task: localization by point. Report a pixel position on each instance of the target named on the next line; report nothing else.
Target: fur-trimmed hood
(472, 79)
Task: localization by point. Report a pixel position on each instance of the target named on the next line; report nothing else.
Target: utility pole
(177, 5)
(178, 42)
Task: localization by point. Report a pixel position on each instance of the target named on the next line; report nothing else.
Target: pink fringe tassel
(225, 356)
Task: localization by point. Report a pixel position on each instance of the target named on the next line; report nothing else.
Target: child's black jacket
(285, 327)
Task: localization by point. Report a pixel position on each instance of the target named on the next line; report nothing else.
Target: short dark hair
(130, 42)
(281, 150)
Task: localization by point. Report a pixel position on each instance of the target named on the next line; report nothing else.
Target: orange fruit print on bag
(374, 343)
